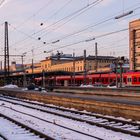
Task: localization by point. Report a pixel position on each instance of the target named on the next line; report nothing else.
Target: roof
(90, 57)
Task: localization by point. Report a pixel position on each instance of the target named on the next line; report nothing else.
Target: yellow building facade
(77, 65)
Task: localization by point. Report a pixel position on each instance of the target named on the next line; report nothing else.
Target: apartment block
(134, 45)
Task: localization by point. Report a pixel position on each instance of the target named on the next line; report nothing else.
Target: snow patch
(10, 86)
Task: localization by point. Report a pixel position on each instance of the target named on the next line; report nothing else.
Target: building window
(89, 67)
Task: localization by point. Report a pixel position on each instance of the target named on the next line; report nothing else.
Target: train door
(66, 83)
(129, 80)
(90, 80)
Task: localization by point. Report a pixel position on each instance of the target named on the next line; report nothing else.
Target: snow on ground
(14, 132)
(86, 85)
(10, 86)
(84, 111)
(58, 132)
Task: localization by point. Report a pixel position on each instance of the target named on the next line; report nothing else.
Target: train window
(106, 80)
(129, 79)
(103, 80)
(124, 79)
(135, 79)
(78, 68)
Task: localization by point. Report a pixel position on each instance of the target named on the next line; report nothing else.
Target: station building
(77, 64)
(67, 63)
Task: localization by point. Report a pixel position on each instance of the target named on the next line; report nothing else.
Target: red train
(128, 79)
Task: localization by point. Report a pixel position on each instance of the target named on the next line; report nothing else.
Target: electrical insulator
(39, 38)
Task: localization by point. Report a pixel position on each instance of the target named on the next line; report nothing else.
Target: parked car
(32, 86)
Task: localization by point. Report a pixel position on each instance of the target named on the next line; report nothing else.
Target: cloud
(106, 3)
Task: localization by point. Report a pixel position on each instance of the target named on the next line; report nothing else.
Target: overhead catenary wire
(25, 21)
(85, 40)
(90, 26)
(99, 23)
(59, 10)
(68, 16)
(75, 43)
(56, 28)
(1, 2)
(42, 46)
(29, 36)
(38, 11)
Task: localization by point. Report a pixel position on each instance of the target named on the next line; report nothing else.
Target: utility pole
(43, 78)
(22, 62)
(121, 62)
(116, 66)
(6, 55)
(1, 65)
(85, 70)
(24, 72)
(73, 69)
(32, 61)
(96, 55)
(121, 75)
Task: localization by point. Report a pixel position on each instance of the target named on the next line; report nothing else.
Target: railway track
(123, 126)
(64, 127)
(16, 130)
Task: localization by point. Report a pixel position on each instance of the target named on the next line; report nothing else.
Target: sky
(67, 26)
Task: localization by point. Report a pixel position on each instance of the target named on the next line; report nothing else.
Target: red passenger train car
(92, 79)
(128, 79)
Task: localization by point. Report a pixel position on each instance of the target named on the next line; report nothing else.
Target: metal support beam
(96, 55)
(6, 55)
(85, 69)
(73, 69)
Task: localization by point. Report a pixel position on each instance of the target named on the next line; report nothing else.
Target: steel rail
(36, 132)
(90, 122)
